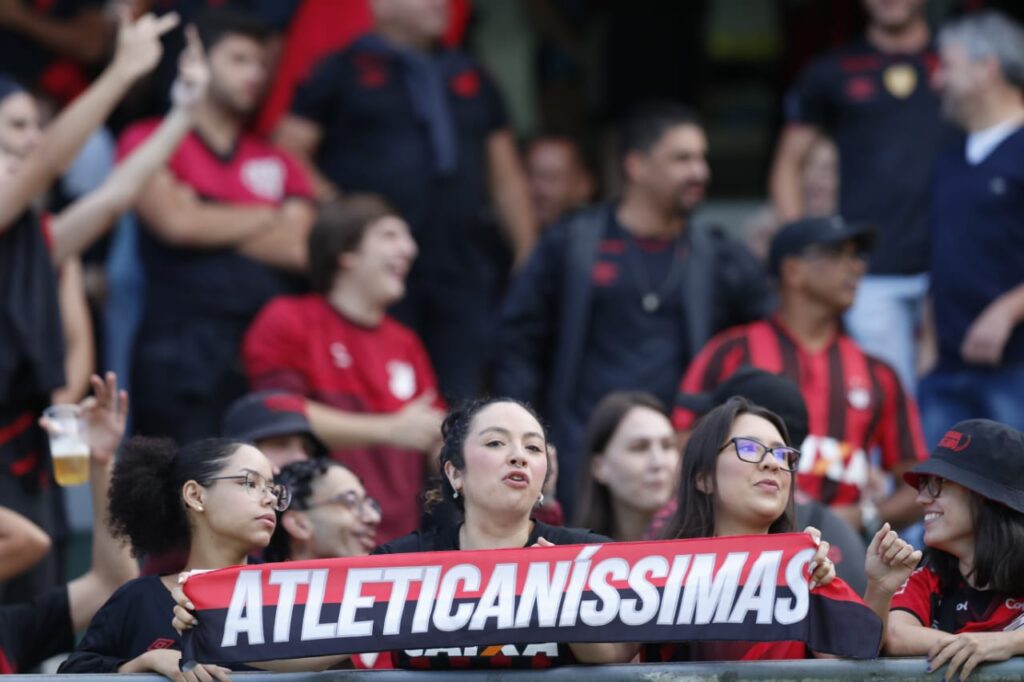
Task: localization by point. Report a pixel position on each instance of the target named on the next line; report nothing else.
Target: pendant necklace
(650, 298)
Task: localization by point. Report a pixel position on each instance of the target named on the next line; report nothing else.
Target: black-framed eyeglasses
(754, 451)
(350, 500)
(256, 485)
(930, 484)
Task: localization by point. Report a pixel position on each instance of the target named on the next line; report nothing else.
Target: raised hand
(105, 413)
(138, 42)
(890, 560)
(193, 72)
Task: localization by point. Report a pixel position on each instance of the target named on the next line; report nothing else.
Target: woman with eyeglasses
(737, 478)
(215, 497)
(494, 460)
(330, 514)
(965, 605)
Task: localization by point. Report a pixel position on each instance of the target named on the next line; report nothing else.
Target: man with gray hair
(977, 227)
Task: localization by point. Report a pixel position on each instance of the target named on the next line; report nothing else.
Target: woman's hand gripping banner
(750, 588)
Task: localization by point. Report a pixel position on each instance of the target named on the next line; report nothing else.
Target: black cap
(792, 238)
(772, 391)
(981, 455)
(268, 414)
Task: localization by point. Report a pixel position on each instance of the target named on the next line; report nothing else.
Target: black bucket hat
(268, 414)
(983, 456)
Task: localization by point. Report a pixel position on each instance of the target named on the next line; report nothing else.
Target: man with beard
(621, 295)
(222, 228)
(875, 99)
(977, 221)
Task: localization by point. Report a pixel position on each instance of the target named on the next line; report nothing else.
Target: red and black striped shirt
(854, 402)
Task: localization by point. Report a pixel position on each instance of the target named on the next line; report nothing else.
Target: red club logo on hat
(285, 403)
(955, 441)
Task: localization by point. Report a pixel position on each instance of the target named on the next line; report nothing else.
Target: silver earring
(455, 495)
(540, 500)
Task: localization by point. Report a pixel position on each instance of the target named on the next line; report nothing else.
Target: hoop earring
(540, 500)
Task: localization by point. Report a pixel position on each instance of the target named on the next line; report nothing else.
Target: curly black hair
(146, 506)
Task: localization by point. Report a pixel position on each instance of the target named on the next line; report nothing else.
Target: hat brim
(273, 430)
(861, 233)
(987, 488)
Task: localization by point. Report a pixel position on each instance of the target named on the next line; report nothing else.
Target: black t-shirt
(31, 334)
(32, 631)
(630, 346)
(374, 141)
(885, 118)
(545, 655)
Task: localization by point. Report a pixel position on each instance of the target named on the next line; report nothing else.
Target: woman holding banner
(631, 465)
(215, 497)
(737, 479)
(966, 604)
(494, 463)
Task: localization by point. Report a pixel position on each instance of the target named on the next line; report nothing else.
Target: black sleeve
(526, 337)
(413, 542)
(810, 101)
(494, 105)
(101, 648)
(32, 631)
(317, 97)
(560, 535)
(746, 291)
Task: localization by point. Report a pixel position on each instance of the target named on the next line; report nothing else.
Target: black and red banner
(750, 588)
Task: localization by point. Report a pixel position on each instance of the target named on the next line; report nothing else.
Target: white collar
(981, 143)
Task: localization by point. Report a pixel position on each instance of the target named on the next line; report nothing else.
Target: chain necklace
(651, 298)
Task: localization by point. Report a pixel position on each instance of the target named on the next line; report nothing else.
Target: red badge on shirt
(372, 71)
(466, 84)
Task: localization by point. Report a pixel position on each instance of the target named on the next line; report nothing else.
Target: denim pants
(885, 319)
(947, 396)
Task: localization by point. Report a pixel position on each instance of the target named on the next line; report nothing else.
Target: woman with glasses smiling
(966, 604)
(330, 514)
(737, 479)
(215, 497)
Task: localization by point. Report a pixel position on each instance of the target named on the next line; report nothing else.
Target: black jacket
(545, 318)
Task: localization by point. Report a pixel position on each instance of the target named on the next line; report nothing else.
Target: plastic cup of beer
(69, 444)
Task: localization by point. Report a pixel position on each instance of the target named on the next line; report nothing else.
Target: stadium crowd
(313, 295)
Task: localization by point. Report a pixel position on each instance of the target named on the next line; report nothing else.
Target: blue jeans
(949, 396)
(885, 319)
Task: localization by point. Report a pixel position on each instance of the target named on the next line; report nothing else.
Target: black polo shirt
(374, 141)
(885, 118)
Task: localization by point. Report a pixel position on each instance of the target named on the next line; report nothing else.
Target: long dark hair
(146, 507)
(594, 507)
(454, 430)
(998, 550)
(695, 516)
